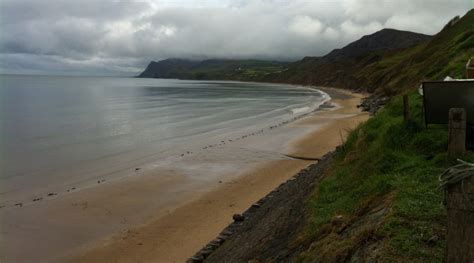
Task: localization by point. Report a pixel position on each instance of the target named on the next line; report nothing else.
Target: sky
(105, 37)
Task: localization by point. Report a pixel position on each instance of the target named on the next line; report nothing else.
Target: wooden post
(406, 108)
(457, 132)
(460, 206)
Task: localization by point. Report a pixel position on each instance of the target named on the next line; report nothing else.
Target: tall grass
(388, 156)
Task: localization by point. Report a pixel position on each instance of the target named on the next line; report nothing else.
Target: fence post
(457, 132)
(460, 210)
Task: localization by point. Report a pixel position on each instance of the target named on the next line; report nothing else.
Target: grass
(390, 162)
(389, 157)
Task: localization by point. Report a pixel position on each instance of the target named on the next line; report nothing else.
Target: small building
(470, 69)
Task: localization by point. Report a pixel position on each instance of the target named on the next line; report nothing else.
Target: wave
(300, 110)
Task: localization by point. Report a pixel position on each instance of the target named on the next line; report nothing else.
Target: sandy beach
(168, 212)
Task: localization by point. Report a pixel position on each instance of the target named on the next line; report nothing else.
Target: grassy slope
(236, 70)
(390, 72)
(213, 69)
(392, 163)
(387, 158)
(446, 54)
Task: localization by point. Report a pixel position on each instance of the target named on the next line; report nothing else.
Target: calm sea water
(58, 131)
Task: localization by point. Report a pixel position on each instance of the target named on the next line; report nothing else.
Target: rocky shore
(373, 103)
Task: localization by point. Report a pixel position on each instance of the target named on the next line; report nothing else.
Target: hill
(385, 39)
(329, 70)
(372, 64)
(212, 69)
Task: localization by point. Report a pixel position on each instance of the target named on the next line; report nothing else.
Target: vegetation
(381, 198)
(392, 161)
(393, 70)
(213, 69)
(445, 54)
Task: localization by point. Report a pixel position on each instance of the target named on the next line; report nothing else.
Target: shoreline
(48, 193)
(180, 232)
(168, 212)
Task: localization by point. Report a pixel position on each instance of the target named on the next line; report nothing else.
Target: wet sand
(167, 213)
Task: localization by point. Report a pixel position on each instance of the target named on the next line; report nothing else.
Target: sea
(57, 132)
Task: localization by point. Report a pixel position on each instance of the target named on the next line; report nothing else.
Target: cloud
(120, 37)
(306, 26)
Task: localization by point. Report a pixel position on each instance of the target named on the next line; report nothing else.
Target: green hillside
(381, 200)
(390, 71)
(212, 69)
(445, 54)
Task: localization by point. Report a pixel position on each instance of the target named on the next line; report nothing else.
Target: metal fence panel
(440, 96)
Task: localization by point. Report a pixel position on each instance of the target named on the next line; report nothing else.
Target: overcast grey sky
(121, 37)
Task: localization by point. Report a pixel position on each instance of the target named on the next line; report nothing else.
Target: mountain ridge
(390, 71)
(388, 61)
(385, 39)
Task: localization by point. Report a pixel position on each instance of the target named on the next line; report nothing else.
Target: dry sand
(167, 213)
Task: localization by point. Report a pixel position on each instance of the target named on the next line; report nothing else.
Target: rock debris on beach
(238, 218)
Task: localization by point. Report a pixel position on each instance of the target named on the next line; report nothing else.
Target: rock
(215, 243)
(227, 232)
(206, 252)
(37, 199)
(238, 218)
(197, 259)
(433, 240)
(337, 220)
(19, 204)
(373, 103)
(51, 194)
(222, 237)
(256, 205)
(137, 169)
